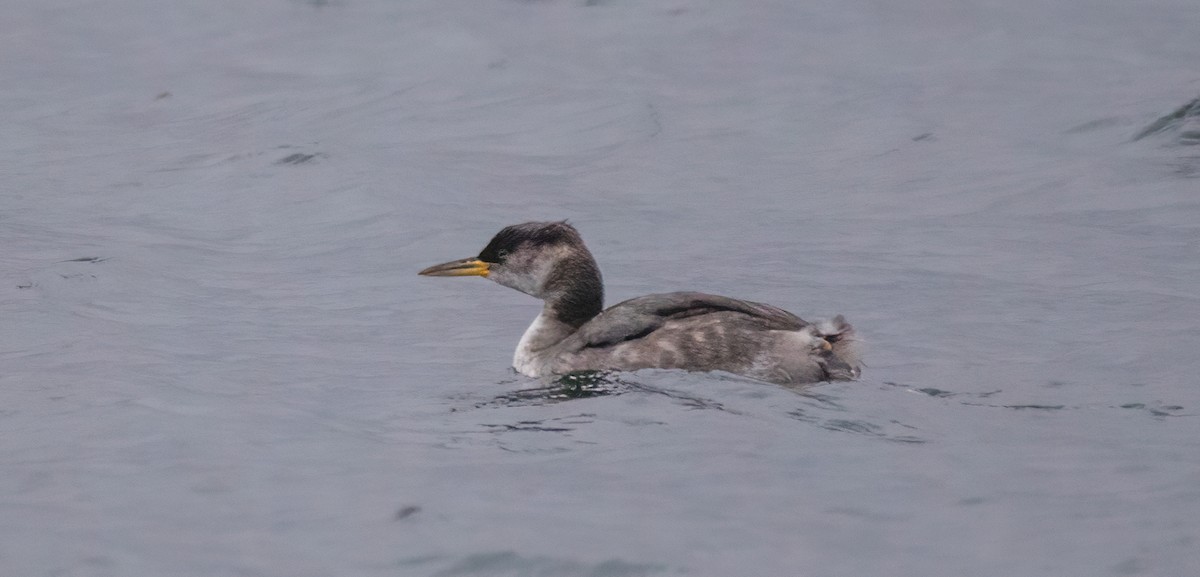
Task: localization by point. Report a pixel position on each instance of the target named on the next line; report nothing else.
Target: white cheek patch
(527, 271)
(539, 271)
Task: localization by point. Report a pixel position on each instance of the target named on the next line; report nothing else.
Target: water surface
(218, 359)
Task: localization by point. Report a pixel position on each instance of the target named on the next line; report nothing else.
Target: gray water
(216, 358)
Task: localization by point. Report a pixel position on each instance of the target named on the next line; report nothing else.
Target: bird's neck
(574, 292)
(573, 295)
(535, 353)
(545, 332)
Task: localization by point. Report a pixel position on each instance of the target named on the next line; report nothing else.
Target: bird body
(681, 330)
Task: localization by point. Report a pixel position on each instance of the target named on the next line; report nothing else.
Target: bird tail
(842, 341)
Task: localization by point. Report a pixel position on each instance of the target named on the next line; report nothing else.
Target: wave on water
(588, 384)
(1183, 124)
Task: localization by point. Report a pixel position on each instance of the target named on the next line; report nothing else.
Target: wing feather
(638, 317)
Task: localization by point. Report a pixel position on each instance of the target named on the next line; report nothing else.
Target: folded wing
(636, 318)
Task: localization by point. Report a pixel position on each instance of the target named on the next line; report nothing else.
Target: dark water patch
(1175, 122)
(74, 274)
(870, 429)
(935, 392)
(940, 393)
(816, 403)
(588, 384)
(406, 512)
(553, 425)
(1187, 166)
(691, 401)
(509, 563)
(1021, 406)
(531, 450)
(822, 401)
(585, 384)
(1157, 410)
(300, 158)
(801, 415)
(581, 385)
(927, 136)
(685, 399)
(849, 426)
(210, 160)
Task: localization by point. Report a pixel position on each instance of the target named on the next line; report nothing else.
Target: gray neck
(573, 295)
(574, 291)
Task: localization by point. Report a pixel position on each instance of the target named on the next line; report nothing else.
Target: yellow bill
(464, 267)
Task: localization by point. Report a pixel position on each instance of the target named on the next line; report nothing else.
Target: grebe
(681, 330)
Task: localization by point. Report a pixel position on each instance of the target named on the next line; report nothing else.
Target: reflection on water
(588, 384)
(813, 404)
(1156, 408)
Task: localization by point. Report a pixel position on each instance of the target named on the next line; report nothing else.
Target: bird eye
(502, 254)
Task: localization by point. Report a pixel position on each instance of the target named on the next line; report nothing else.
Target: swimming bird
(680, 330)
